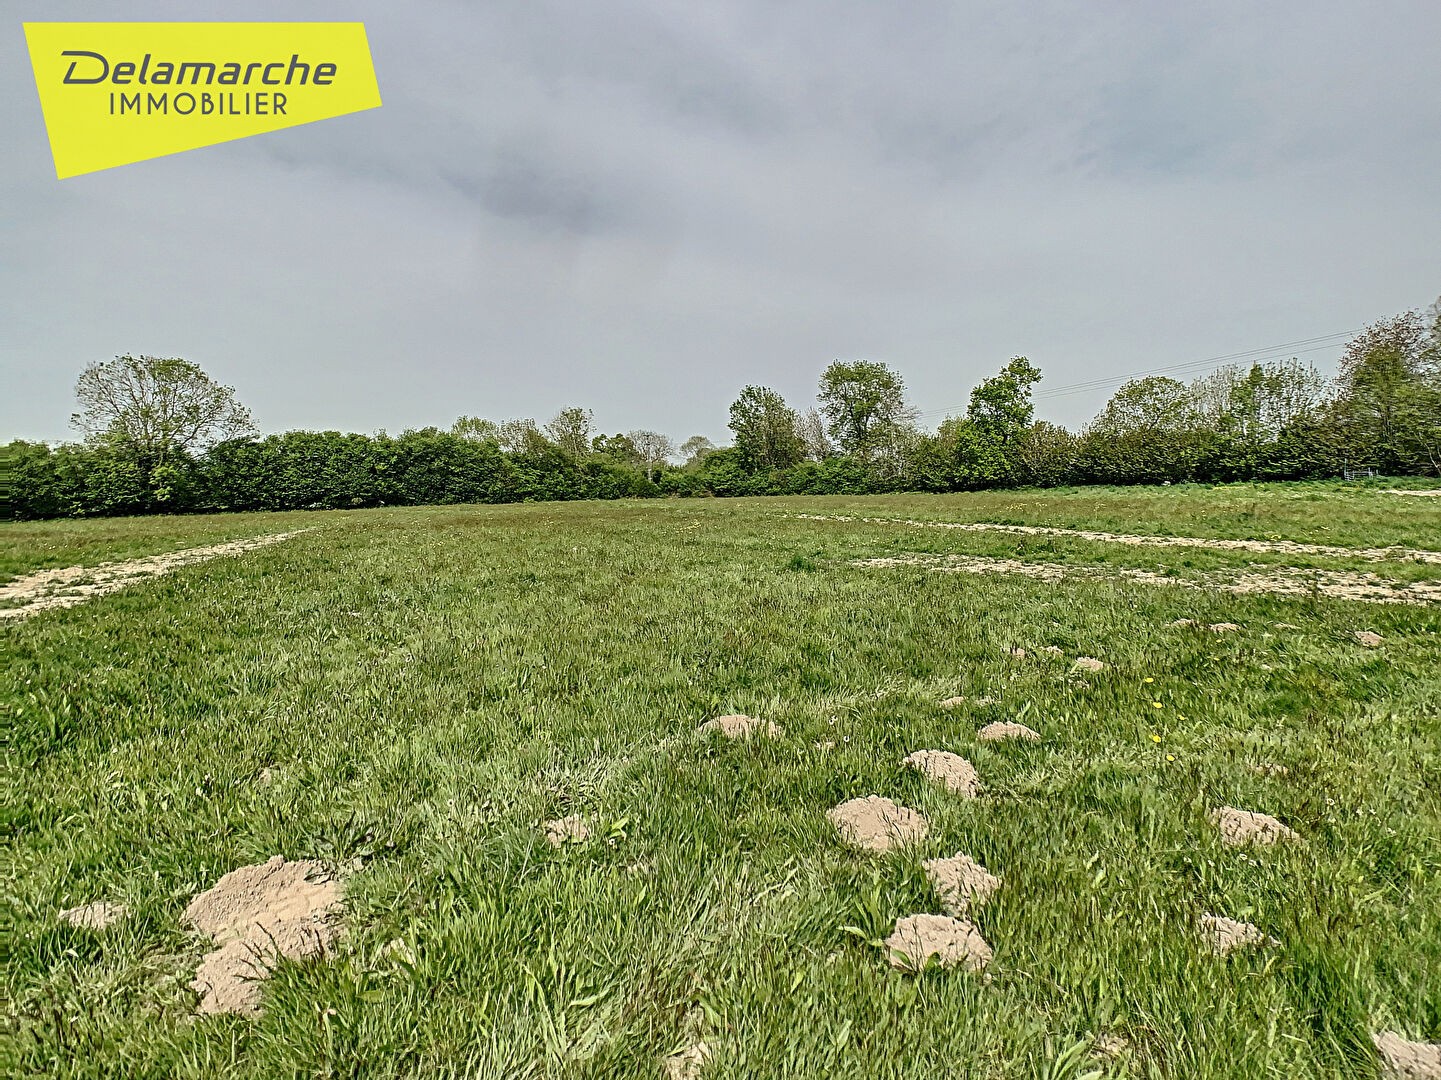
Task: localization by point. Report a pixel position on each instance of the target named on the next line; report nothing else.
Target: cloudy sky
(641, 207)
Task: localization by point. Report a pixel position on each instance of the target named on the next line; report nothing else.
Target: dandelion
(1155, 737)
(1157, 704)
(1149, 679)
(1170, 757)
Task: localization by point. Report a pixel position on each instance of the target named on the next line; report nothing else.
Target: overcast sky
(643, 207)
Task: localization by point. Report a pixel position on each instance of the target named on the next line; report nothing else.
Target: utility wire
(1270, 352)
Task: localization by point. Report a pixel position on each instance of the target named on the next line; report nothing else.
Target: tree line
(160, 436)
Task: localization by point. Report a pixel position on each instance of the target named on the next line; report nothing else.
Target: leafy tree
(476, 429)
(1045, 455)
(1248, 410)
(1389, 394)
(519, 436)
(1146, 434)
(654, 448)
(155, 407)
(695, 450)
(1001, 406)
(570, 430)
(765, 427)
(864, 403)
(812, 430)
(619, 449)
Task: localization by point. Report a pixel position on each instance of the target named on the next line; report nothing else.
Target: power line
(1269, 352)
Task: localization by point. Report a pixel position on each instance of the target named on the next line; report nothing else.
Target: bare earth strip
(1282, 581)
(70, 585)
(1424, 494)
(1282, 547)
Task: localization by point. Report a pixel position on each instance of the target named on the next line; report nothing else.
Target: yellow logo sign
(113, 93)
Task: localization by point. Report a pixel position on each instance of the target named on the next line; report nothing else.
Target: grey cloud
(642, 207)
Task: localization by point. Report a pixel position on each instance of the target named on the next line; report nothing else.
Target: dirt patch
(686, 1064)
(1368, 639)
(1226, 935)
(1275, 547)
(953, 942)
(740, 726)
(45, 590)
(960, 882)
(99, 915)
(567, 830)
(951, 771)
(875, 823)
(1017, 653)
(1111, 1046)
(1435, 494)
(1241, 827)
(953, 702)
(1402, 1059)
(257, 914)
(1277, 581)
(1002, 730)
(1089, 663)
(1223, 627)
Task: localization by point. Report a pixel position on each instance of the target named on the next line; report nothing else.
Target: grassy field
(413, 691)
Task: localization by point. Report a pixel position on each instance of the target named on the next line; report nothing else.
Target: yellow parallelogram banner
(115, 93)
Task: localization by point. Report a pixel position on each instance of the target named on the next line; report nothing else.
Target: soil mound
(1002, 730)
(740, 726)
(960, 882)
(1402, 1059)
(94, 916)
(953, 942)
(686, 1064)
(257, 914)
(1226, 935)
(1241, 827)
(951, 771)
(1368, 639)
(1090, 663)
(567, 830)
(875, 823)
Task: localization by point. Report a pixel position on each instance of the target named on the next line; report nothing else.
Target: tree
(476, 429)
(518, 436)
(1389, 394)
(1248, 410)
(1147, 433)
(653, 447)
(155, 408)
(1001, 406)
(765, 428)
(864, 403)
(570, 430)
(812, 430)
(695, 450)
(1045, 454)
(617, 448)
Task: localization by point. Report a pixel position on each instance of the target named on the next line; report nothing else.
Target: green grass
(429, 684)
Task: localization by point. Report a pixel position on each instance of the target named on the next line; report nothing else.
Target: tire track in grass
(67, 586)
(1276, 547)
(1284, 581)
